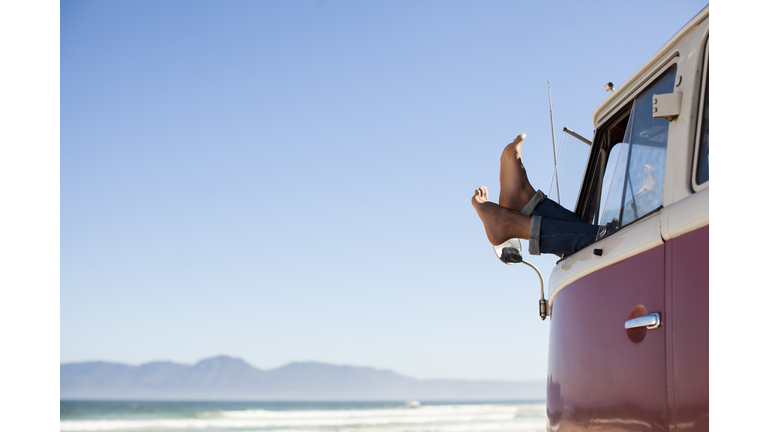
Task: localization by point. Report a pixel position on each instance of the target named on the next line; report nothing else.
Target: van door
(603, 376)
(685, 228)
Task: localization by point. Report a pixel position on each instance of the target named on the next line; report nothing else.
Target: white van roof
(627, 87)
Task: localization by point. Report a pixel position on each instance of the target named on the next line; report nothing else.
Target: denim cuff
(534, 237)
(538, 197)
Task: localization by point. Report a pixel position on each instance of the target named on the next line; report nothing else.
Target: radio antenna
(554, 151)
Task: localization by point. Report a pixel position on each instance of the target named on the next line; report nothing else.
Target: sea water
(302, 416)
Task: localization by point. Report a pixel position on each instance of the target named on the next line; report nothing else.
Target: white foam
(442, 418)
(424, 410)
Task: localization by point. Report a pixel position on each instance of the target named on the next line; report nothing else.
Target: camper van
(628, 347)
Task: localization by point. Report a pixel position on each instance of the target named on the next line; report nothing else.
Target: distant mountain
(227, 378)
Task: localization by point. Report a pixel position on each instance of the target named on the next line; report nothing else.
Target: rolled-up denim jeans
(555, 229)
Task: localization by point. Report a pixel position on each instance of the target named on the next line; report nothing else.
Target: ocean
(302, 416)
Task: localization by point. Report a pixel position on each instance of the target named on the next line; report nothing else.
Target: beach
(526, 416)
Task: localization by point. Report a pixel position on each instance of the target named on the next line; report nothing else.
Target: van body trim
(629, 241)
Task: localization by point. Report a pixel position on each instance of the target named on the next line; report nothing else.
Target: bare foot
(481, 195)
(518, 141)
(516, 191)
(500, 223)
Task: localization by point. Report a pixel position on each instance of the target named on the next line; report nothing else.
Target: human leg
(560, 237)
(548, 226)
(544, 230)
(516, 191)
(550, 209)
(500, 223)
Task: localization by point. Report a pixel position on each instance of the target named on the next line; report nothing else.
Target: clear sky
(291, 181)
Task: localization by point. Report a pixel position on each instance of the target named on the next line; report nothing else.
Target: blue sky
(290, 181)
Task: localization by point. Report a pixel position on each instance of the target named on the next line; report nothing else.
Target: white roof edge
(627, 84)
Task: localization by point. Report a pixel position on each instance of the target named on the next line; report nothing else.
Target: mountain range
(227, 378)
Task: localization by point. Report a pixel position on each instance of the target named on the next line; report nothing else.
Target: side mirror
(511, 252)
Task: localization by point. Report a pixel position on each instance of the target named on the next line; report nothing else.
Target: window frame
(591, 190)
(703, 90)
(605, 154)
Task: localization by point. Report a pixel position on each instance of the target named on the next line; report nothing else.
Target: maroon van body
(629, 341)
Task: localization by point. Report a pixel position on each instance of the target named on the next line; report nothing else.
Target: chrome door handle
(650, 321)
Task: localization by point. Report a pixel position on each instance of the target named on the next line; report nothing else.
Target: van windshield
(572, 157)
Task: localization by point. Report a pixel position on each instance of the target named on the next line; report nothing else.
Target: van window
(702, 163)
(634, 174)
(613, 182)
(572, 157)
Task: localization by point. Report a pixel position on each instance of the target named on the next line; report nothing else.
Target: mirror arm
(543, 306)
(511, 252)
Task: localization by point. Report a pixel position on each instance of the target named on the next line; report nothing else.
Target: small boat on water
(412, 404)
